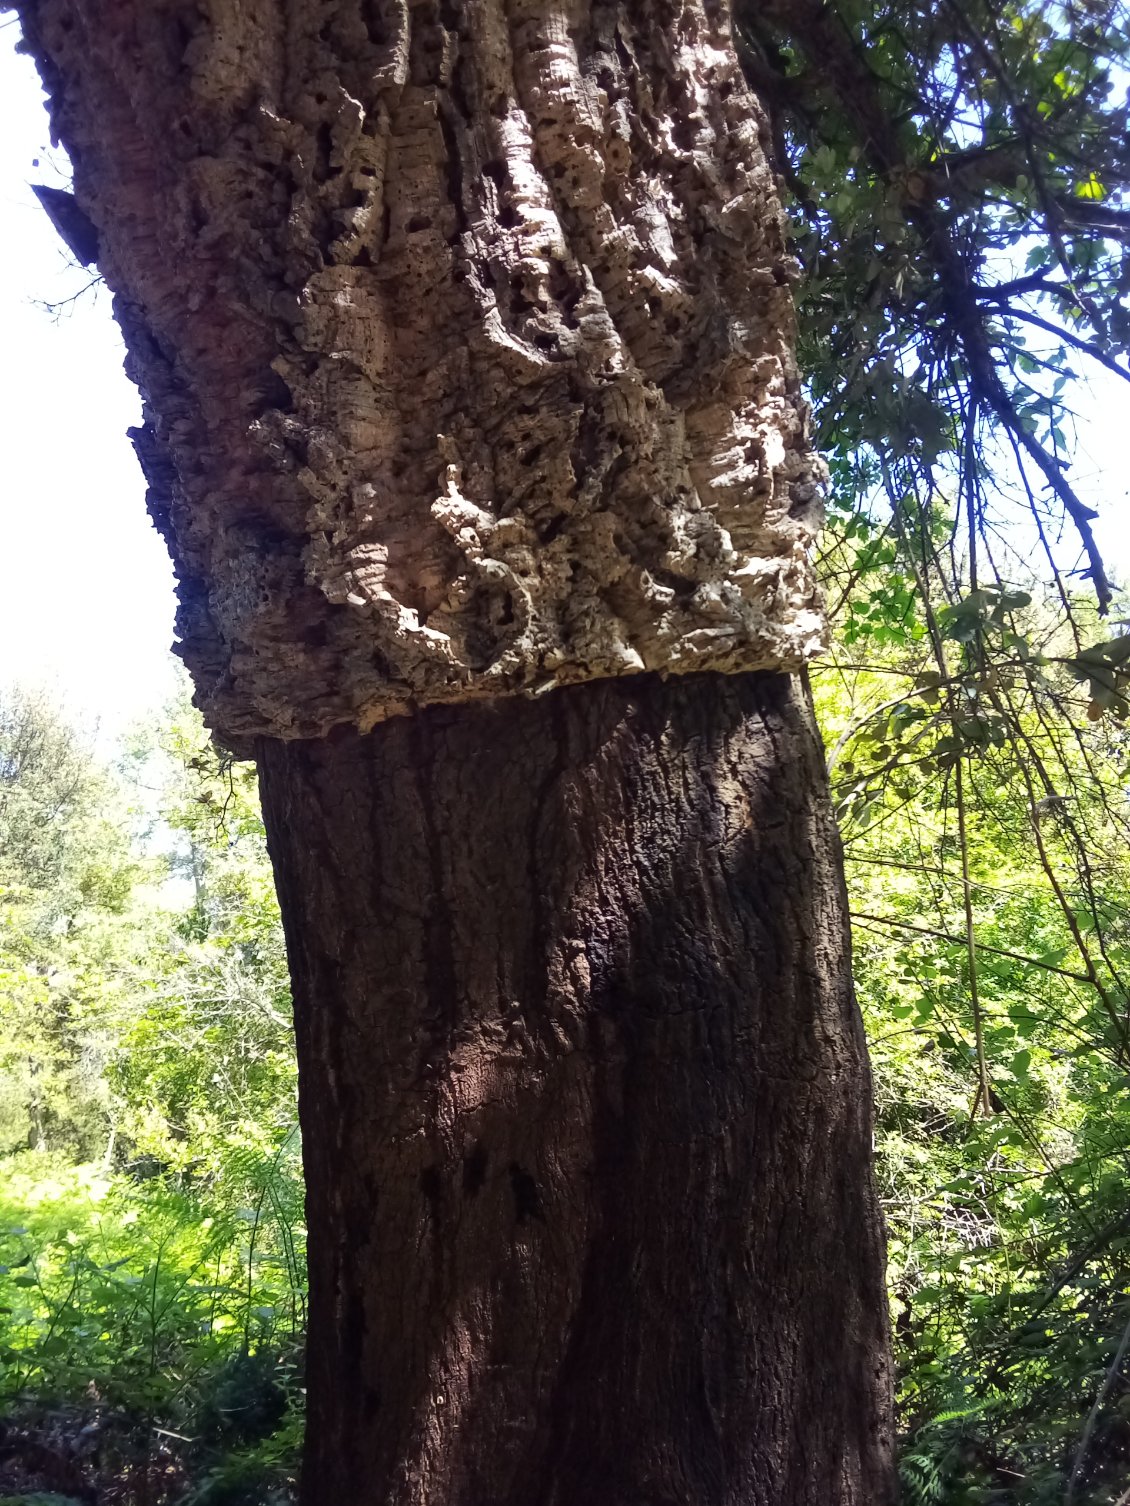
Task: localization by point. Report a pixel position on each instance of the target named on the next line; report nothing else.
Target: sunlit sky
(86, 588)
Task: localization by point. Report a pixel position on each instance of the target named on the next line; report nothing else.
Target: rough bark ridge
(585, 1106)
(465, 337)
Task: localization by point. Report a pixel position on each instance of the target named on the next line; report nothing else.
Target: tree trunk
(585, 1106)
(466, 338)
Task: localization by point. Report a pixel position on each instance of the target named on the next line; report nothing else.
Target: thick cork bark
(465, 334)
(585, 1106)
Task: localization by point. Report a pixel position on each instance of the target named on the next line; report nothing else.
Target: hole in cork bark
(564, 289)
(419, 222)
(685, 133)
(509, 218)
(618, 155)
(490, 613)
(677, 583)
(274, 393)
(496, 170)
(550, 530)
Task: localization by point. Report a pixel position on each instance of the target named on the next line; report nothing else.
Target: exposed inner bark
(465, 333)
(585, 1106)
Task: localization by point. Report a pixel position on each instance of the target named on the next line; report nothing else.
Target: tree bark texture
(585, 1106)
(465, 332)
(465, 335)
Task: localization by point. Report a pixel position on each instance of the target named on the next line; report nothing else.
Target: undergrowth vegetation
(152, 1276)
(987, 836)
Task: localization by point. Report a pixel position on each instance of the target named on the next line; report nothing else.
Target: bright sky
(86, 589)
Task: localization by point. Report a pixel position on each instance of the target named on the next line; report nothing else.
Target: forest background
(957, 189)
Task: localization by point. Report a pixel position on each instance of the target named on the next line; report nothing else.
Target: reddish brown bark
(586, 1106)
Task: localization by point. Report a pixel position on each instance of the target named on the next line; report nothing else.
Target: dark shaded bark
(586, 1106)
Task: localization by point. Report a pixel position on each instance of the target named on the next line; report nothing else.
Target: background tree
(152, 1283)
(204, 1066)
(66, 876)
